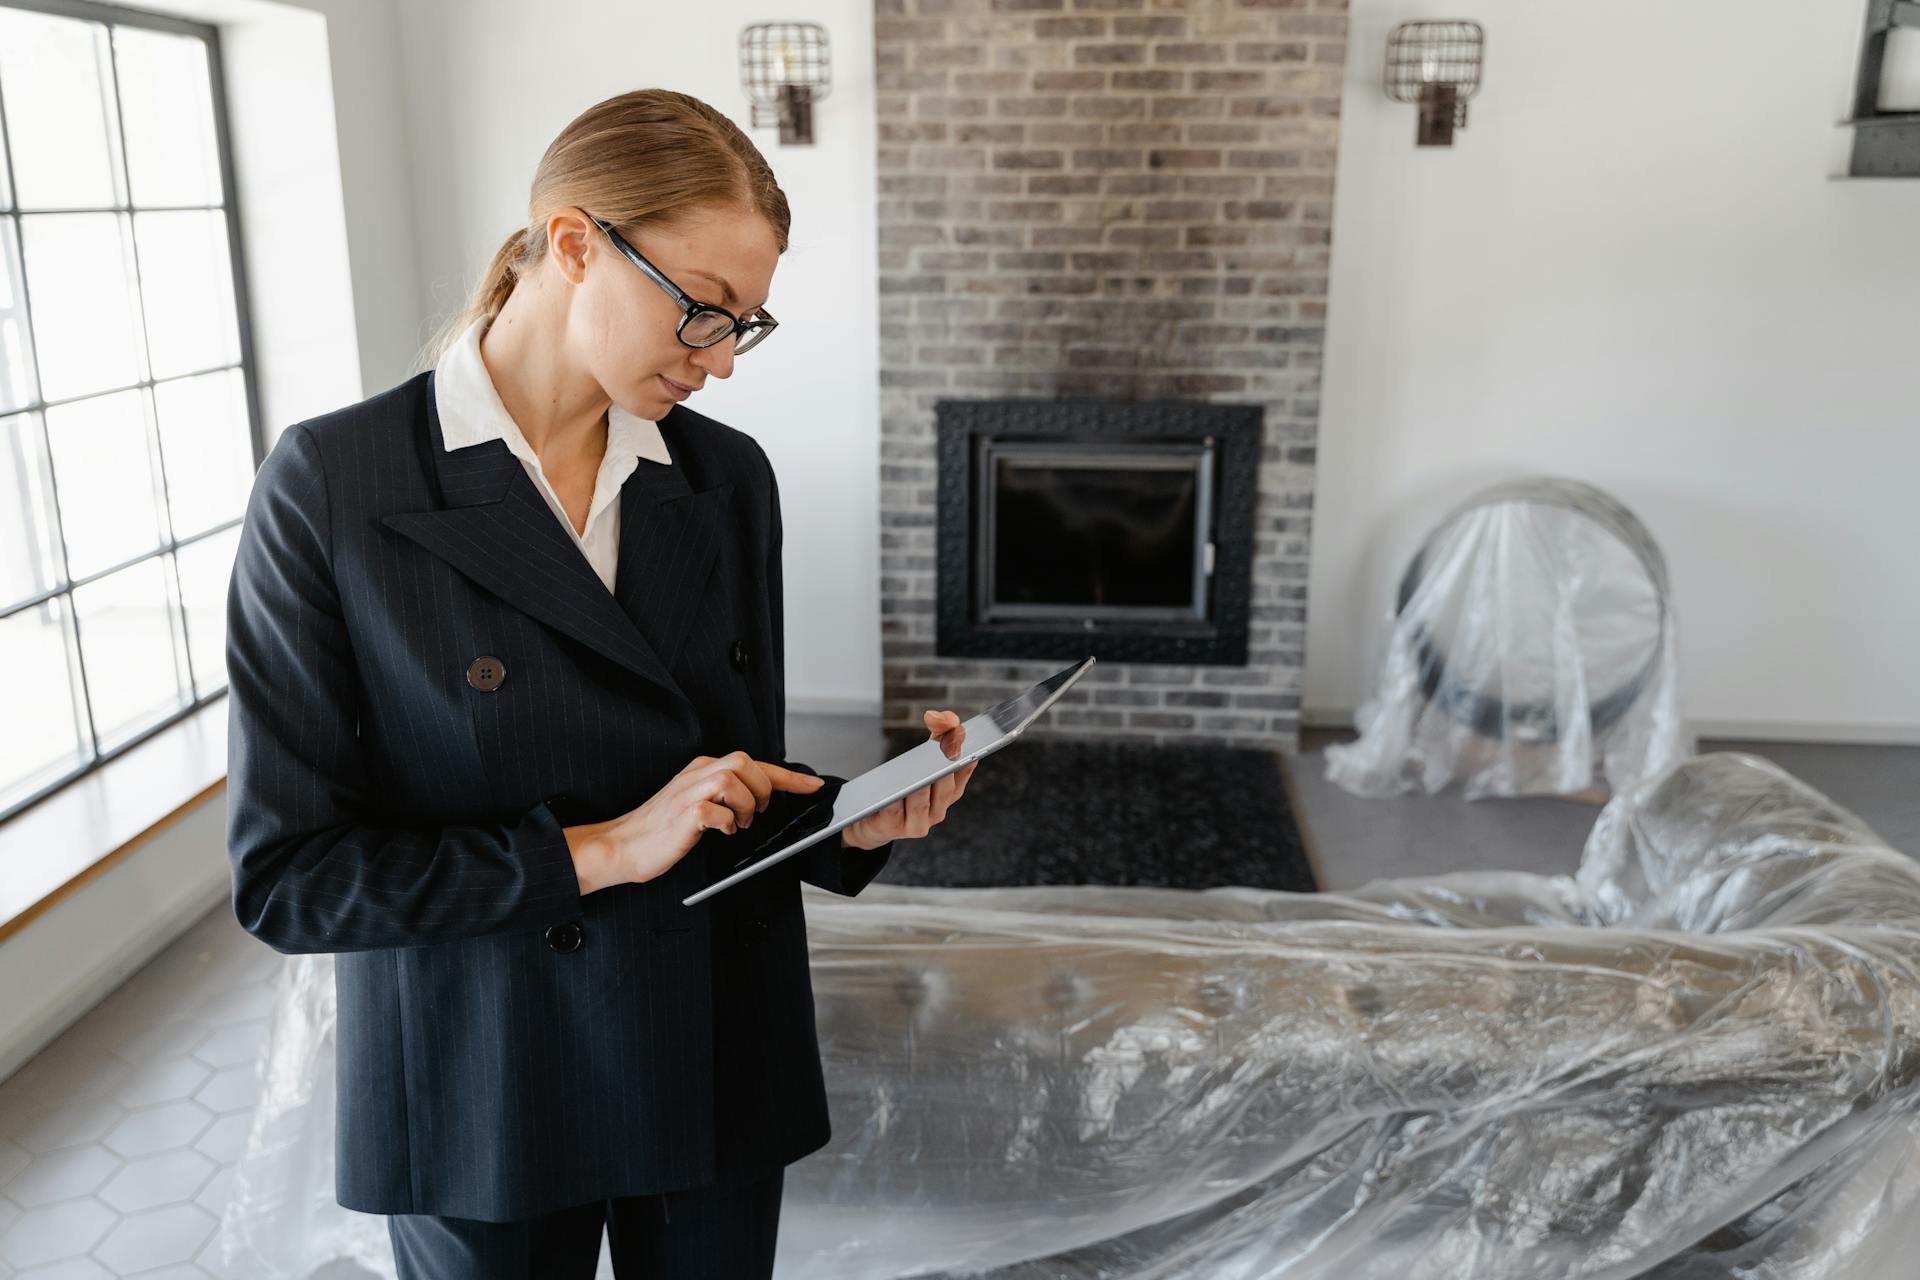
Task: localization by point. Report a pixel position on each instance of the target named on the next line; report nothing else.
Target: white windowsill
(52, 849)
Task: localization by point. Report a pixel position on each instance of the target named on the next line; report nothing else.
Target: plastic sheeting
(1532, 651)
(1697, 1057)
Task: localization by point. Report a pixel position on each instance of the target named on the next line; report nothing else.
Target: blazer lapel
(494, 527)
(669, 541)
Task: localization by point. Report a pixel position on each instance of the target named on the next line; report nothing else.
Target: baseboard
(833, 707)
(1816, 731)
(1813, 731)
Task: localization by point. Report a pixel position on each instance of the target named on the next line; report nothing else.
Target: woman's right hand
(710, 793)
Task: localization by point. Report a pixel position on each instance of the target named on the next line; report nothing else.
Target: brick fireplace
(1105, 200)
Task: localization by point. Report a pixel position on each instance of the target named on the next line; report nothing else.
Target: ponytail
(506, 267)
(496, 284)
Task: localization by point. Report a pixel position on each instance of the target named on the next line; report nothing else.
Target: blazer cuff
(828, 864)
(844, 871)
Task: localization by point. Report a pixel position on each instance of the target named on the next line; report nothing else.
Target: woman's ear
(570, 235)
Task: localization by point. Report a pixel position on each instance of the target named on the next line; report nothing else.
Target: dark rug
(1073, 811)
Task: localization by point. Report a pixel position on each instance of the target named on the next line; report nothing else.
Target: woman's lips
(674, 389)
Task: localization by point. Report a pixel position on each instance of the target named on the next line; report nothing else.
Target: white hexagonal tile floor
(158, 1128)
(227, 1090)
(164, 1081)
(117, 1141)
(153, 1181)
(61, 1175)
(57, 1232)
(156, 1237)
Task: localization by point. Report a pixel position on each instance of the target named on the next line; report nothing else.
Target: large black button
(564, 936)
(486, 672)
(739, 655)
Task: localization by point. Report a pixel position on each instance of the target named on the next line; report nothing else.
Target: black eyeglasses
(702, 324)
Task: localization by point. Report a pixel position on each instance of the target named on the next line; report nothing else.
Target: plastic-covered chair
(1532, 650)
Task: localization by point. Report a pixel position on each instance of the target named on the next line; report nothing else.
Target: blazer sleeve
(311, 873)
(828, 864)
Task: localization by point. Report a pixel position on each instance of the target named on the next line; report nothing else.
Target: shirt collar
(471, 411)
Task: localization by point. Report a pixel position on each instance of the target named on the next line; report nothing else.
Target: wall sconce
(1436, 64)
(784, 68)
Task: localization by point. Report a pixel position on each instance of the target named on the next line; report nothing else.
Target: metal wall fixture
(785, 67)
(1886, 135)
(1437, 65)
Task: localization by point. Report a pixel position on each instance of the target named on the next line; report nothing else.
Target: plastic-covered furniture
(1532, 650)
(1699, 1056)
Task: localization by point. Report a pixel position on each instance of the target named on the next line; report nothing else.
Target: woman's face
(723, 256)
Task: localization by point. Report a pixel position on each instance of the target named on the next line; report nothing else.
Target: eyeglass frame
(689, 305)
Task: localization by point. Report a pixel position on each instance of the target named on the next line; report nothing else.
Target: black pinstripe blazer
(384, 807)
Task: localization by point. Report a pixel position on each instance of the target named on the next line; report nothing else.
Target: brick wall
(1115, 198)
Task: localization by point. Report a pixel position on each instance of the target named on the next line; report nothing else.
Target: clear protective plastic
(1699, 1056)
(1532, 650)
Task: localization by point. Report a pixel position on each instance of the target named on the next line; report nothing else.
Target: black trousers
(707, 1233)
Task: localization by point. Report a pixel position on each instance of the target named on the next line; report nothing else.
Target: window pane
(206, 568)
(207, 448)
(136, 673)
(186, 280)
(166, 102)
(80, 274)
(29, 552)
(40, 702)
(16, 364)
(103, 463)
(58, 87)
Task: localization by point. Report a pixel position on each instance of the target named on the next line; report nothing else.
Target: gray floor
(117, 1142)
(1355, 839)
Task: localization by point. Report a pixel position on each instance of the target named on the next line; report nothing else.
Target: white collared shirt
(471, 413)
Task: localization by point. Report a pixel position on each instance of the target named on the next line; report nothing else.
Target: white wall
(490, 82)
(368, 157)
(327, 224)
(1633, 268)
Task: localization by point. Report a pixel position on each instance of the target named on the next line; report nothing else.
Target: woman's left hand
(912, 816)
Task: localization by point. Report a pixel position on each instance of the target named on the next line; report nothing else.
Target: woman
(505, 660)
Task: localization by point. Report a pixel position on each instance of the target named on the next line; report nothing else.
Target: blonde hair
(638, 159)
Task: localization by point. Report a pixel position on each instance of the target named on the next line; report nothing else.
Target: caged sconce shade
(1436, 64)
(785, 68)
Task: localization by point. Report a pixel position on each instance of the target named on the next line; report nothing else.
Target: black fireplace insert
(1120, 528)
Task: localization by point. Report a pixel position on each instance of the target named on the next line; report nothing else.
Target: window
(129, 424)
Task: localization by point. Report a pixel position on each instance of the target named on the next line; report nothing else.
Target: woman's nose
(717, 359)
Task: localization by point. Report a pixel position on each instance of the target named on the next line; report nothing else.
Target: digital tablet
(903, 775)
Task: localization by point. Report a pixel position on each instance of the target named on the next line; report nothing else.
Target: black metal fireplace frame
(1234, 431)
